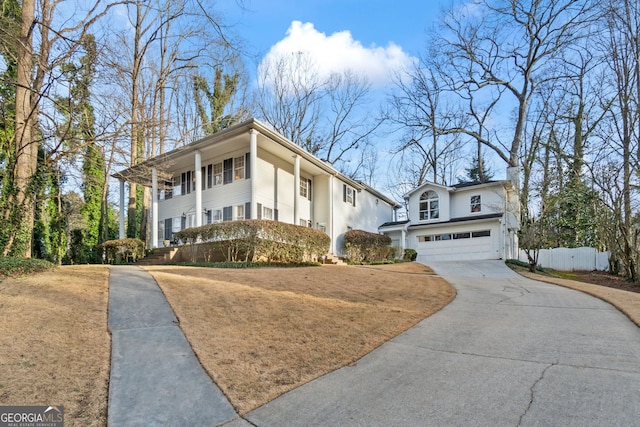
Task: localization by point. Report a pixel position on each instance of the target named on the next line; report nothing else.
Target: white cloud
(339, 52)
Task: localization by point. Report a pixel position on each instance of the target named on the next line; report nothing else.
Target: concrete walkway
(508, 351)
(156, 380)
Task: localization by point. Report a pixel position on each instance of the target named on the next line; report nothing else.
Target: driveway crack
(532, 391)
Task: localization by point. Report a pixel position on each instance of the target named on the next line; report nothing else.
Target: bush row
(362, 246)
(10, 266)
(260, 240)
(122, 250)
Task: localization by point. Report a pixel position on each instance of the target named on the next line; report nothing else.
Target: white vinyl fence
(571, 259)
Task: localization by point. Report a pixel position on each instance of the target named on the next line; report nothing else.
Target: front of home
(468, 221)
(248, 171)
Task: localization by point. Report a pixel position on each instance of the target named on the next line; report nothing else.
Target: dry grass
(262, 332)
(54, 344)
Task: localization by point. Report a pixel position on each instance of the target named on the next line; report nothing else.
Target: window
(239, 211)
(216, 215)
(217, 174)
(476, 205)
(429, 206)
(423, 239)
(267, 213)
(483, 233)
(461, 236)
(305, 223)
(443, 237)
(305, 188)
(349, 195)
(168, 191)
(238, 164)
(187, 182)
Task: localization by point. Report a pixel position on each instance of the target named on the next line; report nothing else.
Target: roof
(460, 219)
(141, 172)
(459, 186)
(394, 223)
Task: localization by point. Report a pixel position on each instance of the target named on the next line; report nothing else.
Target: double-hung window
(429, 206)
(476, 203)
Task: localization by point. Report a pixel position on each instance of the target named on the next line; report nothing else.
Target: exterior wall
(492, 201)
(367, 214)
(444, 204)
(472, 248)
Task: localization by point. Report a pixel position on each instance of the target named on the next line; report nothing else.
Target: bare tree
(507, 47)
(327, 116)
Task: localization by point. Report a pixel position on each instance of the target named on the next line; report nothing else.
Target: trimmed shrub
(259, 240)
(122, 250)
(362, 246)
(10, 266)
(410, 255)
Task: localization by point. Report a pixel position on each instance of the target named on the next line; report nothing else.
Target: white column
(253, 167)
(154, 208)
(296, 189)
(332, 248)
(198, 171)
(121, 228)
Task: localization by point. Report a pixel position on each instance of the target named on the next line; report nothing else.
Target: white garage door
(462, 245)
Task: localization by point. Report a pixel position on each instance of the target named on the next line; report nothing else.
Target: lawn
(54, 344)
(262, 332)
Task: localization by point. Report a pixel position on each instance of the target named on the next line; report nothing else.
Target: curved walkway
(508, 351)
(156, 380)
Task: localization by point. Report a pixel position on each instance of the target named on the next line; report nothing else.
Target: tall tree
(328, 116)
(500, 52)
(37, 61)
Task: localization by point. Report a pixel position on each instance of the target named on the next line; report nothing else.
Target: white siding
(414, 204)
(473, 248)
(492, 201)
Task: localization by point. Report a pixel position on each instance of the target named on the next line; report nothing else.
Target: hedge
(122, 250)
(260, 240)
(362, 246)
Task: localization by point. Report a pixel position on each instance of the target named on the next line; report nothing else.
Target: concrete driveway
(508, 351)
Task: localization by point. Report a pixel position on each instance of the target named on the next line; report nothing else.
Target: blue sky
(375, 33)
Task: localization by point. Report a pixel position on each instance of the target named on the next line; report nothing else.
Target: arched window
(429, 206)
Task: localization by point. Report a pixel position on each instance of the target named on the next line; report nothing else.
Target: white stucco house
(467, 221)
(248, 171)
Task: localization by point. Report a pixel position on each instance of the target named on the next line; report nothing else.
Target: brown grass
(262, 332)
(54, 344)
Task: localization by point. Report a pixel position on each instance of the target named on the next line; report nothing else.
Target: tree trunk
(26, 148)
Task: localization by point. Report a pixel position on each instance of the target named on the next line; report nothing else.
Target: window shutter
(247, 210)
(354, 197)
(183, 183)
(210, 176)
(247, 166)
(227, 213)
(309, 189)
(259, 213)
(227, 175)
(275, 214)
(203, 175)
(168, 232)
(344, 192)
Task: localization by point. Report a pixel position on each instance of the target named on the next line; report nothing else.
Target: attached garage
(466, 221)
(472, 240)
